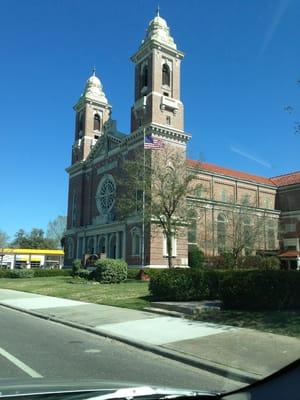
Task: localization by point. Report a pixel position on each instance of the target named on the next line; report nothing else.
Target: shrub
(21, 273)
(195, 256)
(185, 284)
(259, 290)
(76, 266)
(109, 271)
(227, 260)
(251, 262)
(132, 273)
(270, 263)
(4, 273)
(83, 273)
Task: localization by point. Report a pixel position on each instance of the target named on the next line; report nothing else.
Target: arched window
(70, 248)
(221, 232)
(144, 76)
(166, 75)
(135, 242)
(80, 121)
(101, 245)
(97, 122)
(192, 229)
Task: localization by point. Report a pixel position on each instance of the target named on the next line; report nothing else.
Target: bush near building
(251, 289)
(195, 256)
(109, 271)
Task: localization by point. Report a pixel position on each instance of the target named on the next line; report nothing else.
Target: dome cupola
(159, 31)
(94, 89)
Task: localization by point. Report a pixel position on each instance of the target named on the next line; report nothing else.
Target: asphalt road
(31, 347)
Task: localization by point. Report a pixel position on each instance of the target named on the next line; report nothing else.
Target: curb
(219, 369)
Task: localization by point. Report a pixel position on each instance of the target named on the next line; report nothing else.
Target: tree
(33, 240)
(239, 231)
(56, 229)
(4, 238)
(290, 110)
(159, 184)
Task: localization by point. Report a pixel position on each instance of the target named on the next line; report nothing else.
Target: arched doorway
(112, 246)
(101, 245)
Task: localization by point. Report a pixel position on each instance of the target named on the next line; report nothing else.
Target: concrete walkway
(241, 354)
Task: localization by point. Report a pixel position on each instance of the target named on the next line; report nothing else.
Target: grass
(134, 294)
(279, 322)
(130, 294)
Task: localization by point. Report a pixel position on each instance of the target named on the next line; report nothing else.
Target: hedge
(33, 273)
(40, 272)
(21, 273)
(245, 290)
(109, 271)
(269, 290)
(185, 284)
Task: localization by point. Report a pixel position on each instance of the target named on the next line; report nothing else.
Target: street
(33, 347)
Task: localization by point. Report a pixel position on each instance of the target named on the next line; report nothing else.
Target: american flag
(153, 143)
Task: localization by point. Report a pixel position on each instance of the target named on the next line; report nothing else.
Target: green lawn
(131, 294)
(280, 322)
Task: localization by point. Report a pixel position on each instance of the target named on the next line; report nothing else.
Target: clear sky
(239, 74)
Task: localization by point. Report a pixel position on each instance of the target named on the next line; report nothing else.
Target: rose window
(105, 196)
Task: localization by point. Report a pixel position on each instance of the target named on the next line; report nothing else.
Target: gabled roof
(230, 172)
(287, 179)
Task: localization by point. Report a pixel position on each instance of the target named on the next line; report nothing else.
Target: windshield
(150, 213)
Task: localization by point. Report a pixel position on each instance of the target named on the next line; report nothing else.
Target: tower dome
(94, 89)
(158, 30)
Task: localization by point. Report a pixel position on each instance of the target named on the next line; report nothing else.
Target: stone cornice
(166, 132)
(208, 203)
(78, 166)
(149, 45)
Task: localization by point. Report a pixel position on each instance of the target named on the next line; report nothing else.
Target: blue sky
(241, 70)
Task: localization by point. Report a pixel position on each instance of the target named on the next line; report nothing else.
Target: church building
(93, 225)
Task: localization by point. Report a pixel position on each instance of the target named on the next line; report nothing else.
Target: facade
(94, 225)
(31, 258)
(288, 201)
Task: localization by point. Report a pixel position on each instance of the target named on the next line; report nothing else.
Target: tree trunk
(169, 250)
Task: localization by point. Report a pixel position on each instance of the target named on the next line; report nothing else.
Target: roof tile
(230, 172)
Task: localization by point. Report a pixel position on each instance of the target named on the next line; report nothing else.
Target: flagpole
(143, 222)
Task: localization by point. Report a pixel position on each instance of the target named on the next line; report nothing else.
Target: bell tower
(157, 80)
(92, 111)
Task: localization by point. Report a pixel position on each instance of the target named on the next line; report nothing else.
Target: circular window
(105, 196)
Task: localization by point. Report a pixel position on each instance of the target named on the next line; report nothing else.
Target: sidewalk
(240, 354)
